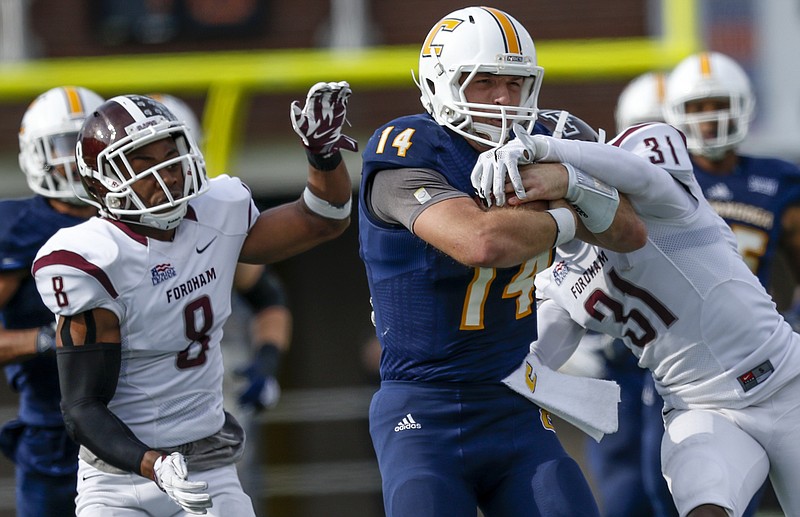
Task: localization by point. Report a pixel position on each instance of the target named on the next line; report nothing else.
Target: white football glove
(489, 174)
(319, 123)
(170, 473)
(46, 338)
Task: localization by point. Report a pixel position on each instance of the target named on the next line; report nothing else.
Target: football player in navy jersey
(709, 97)
(451, 281)
(45, 458)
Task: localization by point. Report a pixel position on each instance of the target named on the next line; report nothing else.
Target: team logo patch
(530, 377)
(422, 195)
(560, 272)
(756, 376)
(162, 272)
(719, 191)
(762, 185)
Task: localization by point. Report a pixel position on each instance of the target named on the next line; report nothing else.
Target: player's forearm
(334, 186)
(506, 237)
(627, 172)
(91, 424)
(88, 376)
(273, 325)
(17, 345)
(627, 232)
(651, 190)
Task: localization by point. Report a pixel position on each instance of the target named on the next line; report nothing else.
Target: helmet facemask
(49, 162)
(731, 123)
(488, 134)
(47, 137)
(718, 81)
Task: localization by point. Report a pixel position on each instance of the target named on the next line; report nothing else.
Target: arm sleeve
(88, 377)
(398, 196)
(650, 188)
(267, 291)
(558, 335)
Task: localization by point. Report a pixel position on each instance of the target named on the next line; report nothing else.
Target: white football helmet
(47, 136)
(119, 126)
(642, 100)
(710, 75)
(464, 43)
(182, 111)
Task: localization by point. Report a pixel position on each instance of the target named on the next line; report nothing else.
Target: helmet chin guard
(461, 45)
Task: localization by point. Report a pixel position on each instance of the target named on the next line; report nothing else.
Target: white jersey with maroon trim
(171, 299)
(686, 304)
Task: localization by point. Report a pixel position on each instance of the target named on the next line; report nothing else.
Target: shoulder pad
(574, 129)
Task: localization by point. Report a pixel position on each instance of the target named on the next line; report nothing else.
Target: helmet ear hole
(93, 187)
(431, 86)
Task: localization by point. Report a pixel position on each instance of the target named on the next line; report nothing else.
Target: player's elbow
(490, 251)
(327, 229)
(484, 255)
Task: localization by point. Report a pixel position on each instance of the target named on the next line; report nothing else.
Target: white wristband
(321, 207)
(595, 202)
(565, 223)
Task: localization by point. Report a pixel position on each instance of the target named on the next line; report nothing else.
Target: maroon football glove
(319, 123)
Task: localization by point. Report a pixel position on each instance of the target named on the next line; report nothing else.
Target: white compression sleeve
(558, 335)
(651, 189)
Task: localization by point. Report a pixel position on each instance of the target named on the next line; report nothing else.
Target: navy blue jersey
(752, 200)
(439, 320)
(27, 224)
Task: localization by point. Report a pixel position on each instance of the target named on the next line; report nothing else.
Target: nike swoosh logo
(321, 133)
(201, 250)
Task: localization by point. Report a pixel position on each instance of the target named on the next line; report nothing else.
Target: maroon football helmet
(113, 130)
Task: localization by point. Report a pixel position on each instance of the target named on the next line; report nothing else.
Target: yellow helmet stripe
(73, 100)
(661, 88)
(705, 64)
(507, 27)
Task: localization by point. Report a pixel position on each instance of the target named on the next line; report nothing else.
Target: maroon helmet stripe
(71, 259)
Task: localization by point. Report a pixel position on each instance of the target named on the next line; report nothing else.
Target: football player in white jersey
(256, 336)
(724, 360)
(142, 292)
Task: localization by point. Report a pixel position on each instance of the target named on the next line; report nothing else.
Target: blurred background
(239, 64)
